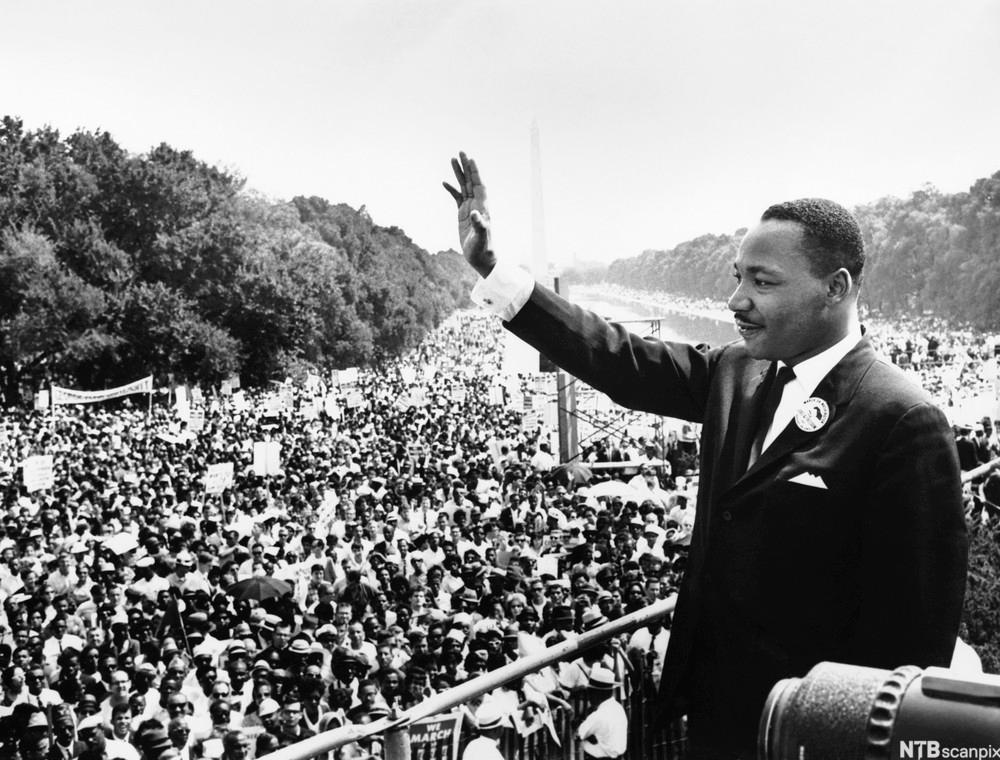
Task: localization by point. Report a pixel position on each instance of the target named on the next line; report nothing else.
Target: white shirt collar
(808, 375)
(809, 372)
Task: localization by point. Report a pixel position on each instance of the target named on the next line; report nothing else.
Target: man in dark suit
(829, 524)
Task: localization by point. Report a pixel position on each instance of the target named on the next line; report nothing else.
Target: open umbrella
(259, 588)
(572, 474)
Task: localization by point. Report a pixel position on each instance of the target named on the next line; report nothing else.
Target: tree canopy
(114, 265)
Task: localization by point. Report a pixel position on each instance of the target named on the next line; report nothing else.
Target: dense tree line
(114, 265)
(931, 252)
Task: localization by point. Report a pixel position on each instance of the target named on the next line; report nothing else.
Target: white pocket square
(808, 479)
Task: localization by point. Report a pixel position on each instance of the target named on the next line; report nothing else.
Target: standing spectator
(604, 731)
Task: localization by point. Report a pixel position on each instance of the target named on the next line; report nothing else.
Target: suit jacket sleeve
(655, 376)
(914, 547)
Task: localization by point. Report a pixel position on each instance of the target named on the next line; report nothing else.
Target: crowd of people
(416, 535)
(416, 531)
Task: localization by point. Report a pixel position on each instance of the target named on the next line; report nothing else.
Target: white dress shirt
(608, 726)
(808, 375)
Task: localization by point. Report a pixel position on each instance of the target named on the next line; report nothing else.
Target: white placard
(266, 457)
(240, 403)
(38, 473)
(196, 420)
(347, 376)
(218, 477)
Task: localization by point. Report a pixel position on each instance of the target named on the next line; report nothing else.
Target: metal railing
(395, 725)
(983, 469)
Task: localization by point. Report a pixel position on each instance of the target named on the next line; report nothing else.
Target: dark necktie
(779, 380)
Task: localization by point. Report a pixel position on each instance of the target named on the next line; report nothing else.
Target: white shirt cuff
(505, 291)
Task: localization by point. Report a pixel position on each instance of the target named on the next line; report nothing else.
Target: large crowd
(415, 533)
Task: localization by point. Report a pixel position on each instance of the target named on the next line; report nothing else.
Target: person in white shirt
(651, 642)
(604, 732)
(489, 718)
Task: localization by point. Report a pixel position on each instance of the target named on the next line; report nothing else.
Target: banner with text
(70, 396)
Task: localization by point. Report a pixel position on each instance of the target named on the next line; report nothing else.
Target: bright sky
(659, 119)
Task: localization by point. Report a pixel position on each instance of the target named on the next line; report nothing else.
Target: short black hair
(831, 232)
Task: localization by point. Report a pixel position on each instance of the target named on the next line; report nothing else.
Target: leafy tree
(51, 320)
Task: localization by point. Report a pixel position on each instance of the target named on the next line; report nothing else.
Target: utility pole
(565, 383)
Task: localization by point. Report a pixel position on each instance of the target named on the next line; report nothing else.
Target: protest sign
(347, 377)
(196, 420)
(240, 403)
(266, 458)
(548, 564)
(530, 421)
(218, 477)
(435, 736)
(38, 473)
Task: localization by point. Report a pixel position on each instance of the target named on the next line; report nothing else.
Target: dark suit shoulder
(886, 387)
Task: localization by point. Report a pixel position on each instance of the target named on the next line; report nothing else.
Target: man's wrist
(504, 290)
(486, 268)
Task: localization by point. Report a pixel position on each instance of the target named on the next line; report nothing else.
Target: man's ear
(839, 285)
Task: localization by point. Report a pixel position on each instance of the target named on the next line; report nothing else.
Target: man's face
(384, 656)
(238, 674)
(782, 309)
(290, 716)
(94, 738)
(343, 615)
(281, 636)
(36, 680)
(120, 684)
(367, 695)
(237, 747)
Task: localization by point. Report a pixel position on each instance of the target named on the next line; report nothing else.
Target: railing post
(397, 743)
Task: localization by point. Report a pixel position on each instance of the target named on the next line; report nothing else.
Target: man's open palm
(473, 215)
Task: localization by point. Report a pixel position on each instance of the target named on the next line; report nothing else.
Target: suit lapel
(743, 424)
(835, 390)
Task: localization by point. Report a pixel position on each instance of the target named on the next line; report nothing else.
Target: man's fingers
(467, 168)
(477, 190)
(459, 174)
(454, 193)
(478, 221)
